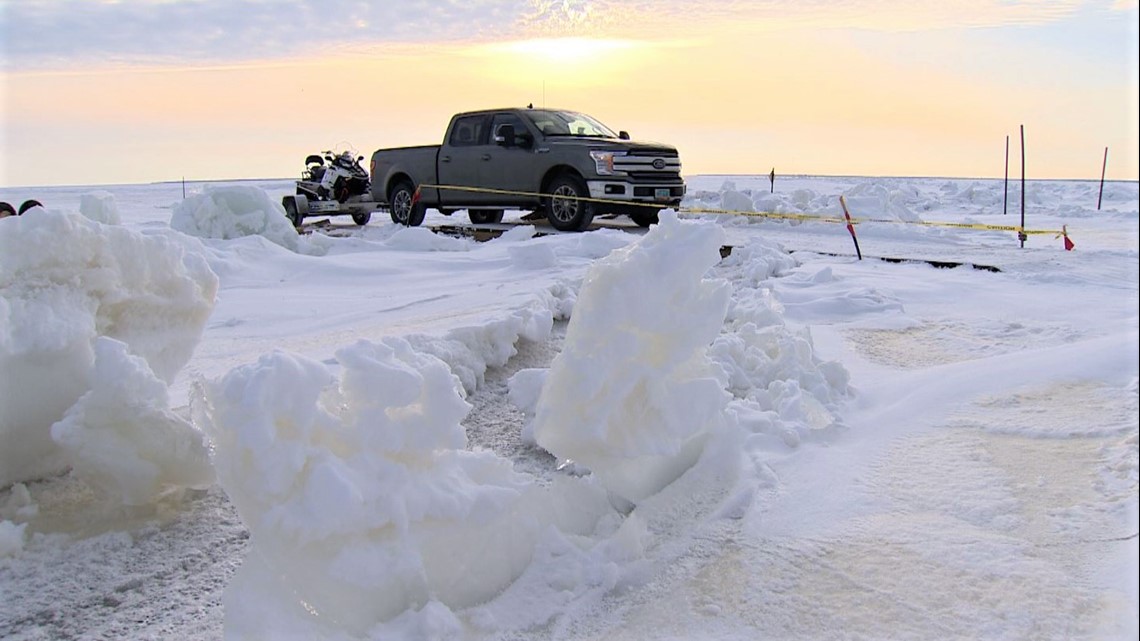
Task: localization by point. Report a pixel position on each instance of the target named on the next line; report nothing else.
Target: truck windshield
(568, 123)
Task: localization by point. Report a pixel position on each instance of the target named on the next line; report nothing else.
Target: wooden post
(772, 179)
(1102, 168)
(1005, 195)
(1021, 236)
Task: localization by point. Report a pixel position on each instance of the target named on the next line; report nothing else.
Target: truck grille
(648, 166)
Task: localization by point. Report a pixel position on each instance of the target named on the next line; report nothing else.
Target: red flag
(416, 197)
(1065, 234)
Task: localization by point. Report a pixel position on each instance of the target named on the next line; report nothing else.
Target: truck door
(461, 159)
(510, 165)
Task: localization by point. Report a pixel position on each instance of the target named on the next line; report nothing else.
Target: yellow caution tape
(756, 214)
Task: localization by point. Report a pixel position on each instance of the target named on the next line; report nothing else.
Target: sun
(567, 61)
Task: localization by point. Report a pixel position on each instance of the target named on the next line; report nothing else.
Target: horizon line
(714, 174)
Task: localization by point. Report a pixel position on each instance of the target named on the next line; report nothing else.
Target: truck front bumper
(663, 193)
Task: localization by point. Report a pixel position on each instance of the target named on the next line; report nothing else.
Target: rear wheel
(566, 207)
(403, 208)
(645, 217)
(291, 211)
(6, 210)
(362, 219)
(485, 216)
(26, 205)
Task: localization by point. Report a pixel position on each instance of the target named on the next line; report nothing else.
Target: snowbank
(632, 396)
(366, 509)
(234, 211)
(66, 280)
(360, 497)
(122, 438)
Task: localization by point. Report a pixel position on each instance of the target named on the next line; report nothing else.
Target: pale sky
(102, 92)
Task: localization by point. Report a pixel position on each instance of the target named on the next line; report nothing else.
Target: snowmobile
(332, 184)
(341, 179)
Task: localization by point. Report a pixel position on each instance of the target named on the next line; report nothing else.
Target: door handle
(445, 159)
(486, 156)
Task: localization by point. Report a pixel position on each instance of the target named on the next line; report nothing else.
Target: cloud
(614, 16)
(48, 34)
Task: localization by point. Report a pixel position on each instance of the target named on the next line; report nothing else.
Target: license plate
(662, 194)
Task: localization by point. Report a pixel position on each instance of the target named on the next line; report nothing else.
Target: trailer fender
(302, 202)
(296, 208)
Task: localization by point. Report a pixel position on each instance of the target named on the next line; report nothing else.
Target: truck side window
(508, 119)
(467, 131)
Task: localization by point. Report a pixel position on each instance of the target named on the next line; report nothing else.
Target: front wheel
(404, 209)
(485, 216)
(362, 219)
(567, 207)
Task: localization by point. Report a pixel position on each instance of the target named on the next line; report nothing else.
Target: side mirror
(624, 135)
(525, 140)
(505, 136)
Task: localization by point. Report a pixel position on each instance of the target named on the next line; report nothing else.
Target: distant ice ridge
(904, 201)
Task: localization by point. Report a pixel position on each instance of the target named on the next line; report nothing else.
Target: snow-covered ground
(211, 427)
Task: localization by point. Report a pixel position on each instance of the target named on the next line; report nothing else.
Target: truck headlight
(604, 161)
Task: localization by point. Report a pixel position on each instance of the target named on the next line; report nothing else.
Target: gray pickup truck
(564, 164)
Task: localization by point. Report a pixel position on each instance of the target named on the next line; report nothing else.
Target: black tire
(485, 216)
(291, 212)
(401, 206)
(362, 219)
(6, 210)
(26, 205)
(645, 217)
(565, 208)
